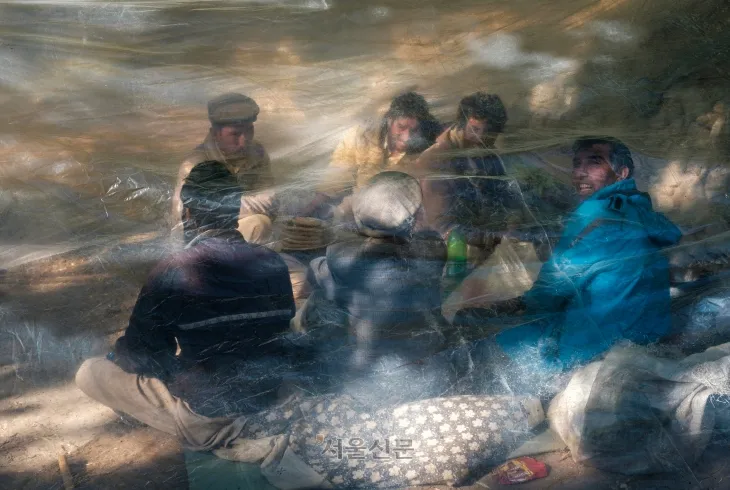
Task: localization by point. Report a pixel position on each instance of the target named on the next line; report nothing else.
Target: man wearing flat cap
(231, 141)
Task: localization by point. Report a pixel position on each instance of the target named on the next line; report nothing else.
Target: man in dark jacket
(465, 183)
(223, 303)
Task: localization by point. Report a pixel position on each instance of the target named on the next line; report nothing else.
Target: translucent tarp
(102, 101)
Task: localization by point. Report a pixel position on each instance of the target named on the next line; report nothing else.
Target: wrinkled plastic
(101, 102)
(637, 413)
(704, 322)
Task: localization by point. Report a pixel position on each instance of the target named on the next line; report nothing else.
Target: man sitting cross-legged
(225, 303)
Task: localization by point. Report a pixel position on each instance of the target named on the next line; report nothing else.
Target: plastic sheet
(668, 407)
(101, 102)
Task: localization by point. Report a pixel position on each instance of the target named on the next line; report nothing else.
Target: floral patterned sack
(436, 441)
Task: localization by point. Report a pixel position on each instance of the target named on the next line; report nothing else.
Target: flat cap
(232, 108)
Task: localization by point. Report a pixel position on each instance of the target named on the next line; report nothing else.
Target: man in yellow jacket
(231, 142)
(406, 129)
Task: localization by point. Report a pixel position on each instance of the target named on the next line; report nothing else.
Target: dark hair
(619, 153)
(483, 107)
(212, 194)
(411, 104)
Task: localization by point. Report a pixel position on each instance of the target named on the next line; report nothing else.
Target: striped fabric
(225, 319)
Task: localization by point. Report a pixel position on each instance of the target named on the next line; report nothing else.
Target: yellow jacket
(358, 157)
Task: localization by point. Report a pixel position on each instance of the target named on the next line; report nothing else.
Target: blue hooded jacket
(606, 281)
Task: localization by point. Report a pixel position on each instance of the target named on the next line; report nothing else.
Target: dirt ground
(74, 306)
(56, 312)
(118, 457)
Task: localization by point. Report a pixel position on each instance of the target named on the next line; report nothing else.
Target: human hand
(491, 240)
(314, 204)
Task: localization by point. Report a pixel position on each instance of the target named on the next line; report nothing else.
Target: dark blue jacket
(392, 286)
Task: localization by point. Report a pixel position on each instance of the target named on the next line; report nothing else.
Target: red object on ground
(520, 470)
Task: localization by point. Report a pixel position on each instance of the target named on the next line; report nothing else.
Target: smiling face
(592, 170)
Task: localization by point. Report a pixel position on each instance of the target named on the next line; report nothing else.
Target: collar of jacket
(659, 228)
(454, 137)
(626, 186)
(213, 152)
(386, 149)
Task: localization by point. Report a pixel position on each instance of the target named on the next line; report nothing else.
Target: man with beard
(393, 143)
(464, 186)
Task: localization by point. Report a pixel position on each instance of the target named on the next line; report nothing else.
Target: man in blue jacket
(606, 280)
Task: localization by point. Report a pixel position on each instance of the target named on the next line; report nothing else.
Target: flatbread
(303, 229)
(292, 248)
(301, 222)
(303, 240)
(285, 245)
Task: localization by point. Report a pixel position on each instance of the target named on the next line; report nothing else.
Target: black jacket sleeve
(148, 346)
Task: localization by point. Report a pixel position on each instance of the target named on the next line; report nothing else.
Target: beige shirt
(253, 171)
(447, 146)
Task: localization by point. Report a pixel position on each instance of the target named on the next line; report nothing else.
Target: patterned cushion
(442, 440)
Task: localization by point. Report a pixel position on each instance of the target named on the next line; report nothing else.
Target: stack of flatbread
(304, 234)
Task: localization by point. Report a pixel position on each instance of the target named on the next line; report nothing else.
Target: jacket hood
(624, 193)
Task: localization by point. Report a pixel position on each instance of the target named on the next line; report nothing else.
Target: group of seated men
(209, 337)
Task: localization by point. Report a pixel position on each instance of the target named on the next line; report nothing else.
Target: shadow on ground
(120, 458)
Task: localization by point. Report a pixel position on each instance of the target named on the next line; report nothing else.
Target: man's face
(475, 131)
(233, 139)
(592, 170)
(400, 131)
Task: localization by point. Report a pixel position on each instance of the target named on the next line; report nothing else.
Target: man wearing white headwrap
(384, 286)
